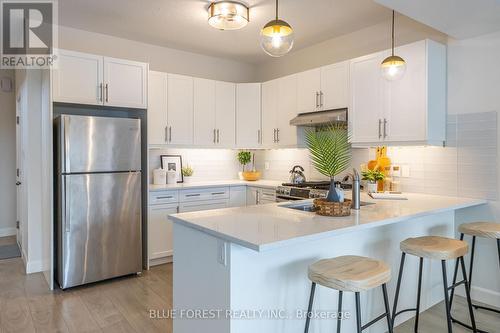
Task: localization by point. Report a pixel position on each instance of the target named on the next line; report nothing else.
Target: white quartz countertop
(265, 227)
(230, 182)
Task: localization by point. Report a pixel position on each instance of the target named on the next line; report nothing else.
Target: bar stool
(353, 274)
(476, 229)
(439, 248)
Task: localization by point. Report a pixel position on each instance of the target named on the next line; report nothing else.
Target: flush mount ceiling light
(228, 15)
(276, 38)
(393, 67)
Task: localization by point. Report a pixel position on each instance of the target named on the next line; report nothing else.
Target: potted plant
(244, 157)
(372, 177)
(187, 173)
(330, 153)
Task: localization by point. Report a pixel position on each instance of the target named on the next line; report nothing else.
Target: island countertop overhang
(266, 227)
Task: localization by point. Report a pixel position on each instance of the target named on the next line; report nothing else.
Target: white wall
(8, 159)
(160, 58)
(365, 41)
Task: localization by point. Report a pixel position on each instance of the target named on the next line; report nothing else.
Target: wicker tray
(325, 208)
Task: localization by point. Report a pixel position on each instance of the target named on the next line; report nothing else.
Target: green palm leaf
(329, 149)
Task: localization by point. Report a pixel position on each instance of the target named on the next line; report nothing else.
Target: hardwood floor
(7, 240)
(122, 305)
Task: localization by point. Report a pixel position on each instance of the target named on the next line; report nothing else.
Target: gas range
(307, 190)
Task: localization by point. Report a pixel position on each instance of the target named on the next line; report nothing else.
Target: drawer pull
(169, 197)
(218, 193)
(193, 195)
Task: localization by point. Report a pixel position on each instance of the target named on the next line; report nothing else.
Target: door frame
(21, 204)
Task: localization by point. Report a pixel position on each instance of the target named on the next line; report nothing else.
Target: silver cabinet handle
(214, 135)
(100, 92)
(385, 128)
(218, 138)
(170, 135)
(274, 135)
(166, 133)
(380, 128)
(321, 99)
(167, 197)
(218, 193)
(193, 195)
(107, 92)
(257, 197)
(258, 136)
(317, 103)
(278, 135)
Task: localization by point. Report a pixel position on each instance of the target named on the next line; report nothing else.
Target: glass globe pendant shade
(276, 38)
(393, 68)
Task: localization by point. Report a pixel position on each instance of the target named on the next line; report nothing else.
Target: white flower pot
(240, 175)
(187, 179)
(371, 187)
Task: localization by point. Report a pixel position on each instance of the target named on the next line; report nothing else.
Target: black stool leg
(455, 273)
(309, 308)
(339, 312)
(396, 297)
(419, 292)
(446, 297)
(387, 310)
(473, 250)
(358, 313)
(467, 293)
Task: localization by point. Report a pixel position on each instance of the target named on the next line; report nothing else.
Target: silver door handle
(218, 193)
(168, 197)
(107, 92)
(385, 128)
(257, 198)
(214, 136)
(380, 128)
(193, 195)
(67, 205)
(218, 137)
(65, 130)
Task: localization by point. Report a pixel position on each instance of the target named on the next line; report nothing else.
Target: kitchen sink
(308, 206)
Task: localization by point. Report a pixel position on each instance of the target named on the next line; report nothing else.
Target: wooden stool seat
(350, 273)
(434, 247)
(481, 229)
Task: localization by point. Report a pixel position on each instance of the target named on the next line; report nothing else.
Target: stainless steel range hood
(319, 118)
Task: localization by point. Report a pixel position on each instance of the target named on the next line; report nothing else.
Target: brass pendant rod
(276, 10)
(392, 33)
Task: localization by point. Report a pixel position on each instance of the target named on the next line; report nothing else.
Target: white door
(335, 86)
(366, 112)
(248, 124)
(406, 117)
(180, 109)
(160, 240)
(204, 112)
(125, 83)
(225, 113)
(309, 86)
(77, 78)
(287, 110)
(157, 108)
(269, 112)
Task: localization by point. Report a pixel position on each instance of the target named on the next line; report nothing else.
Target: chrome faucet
(356, 190)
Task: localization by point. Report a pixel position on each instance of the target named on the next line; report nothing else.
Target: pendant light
(393, 67)
(276, 38)
(228, 15)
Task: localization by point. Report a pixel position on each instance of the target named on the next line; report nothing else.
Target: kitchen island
(245, 269)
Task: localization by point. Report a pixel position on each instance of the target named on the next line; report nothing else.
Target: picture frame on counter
(173, 163)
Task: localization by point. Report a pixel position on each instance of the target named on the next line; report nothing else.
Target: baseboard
(483, 295)
(5, 232)
(160, 261)
(34, 266)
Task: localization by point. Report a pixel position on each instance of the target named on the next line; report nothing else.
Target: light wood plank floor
(122, 305)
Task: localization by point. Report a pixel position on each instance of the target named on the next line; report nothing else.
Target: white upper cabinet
(248, 115)
(308, 91)
(180, 109)
(269, 112)
(125, 83)
(78, 78)
(90, 79)
(411, 110)
(205, 132)
(225, 113)
(157, 108)
(334, 92)
(286, 134)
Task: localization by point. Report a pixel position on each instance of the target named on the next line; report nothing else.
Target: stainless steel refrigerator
(98, 185)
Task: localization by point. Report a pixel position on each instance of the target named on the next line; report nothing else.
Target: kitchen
(217, 147)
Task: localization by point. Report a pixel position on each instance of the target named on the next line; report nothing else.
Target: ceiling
(457, 18)
(182, 24)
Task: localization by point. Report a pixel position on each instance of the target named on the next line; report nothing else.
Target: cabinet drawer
(163, 197)
(196, 206)
(204, 194)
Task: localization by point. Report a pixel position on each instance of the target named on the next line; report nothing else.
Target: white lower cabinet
(238, 196)
(260, 195)
(196, 206)
(160, 243)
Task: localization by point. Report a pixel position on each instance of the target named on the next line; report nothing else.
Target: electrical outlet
(266, 165)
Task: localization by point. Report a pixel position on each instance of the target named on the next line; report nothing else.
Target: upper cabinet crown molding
(84, 78)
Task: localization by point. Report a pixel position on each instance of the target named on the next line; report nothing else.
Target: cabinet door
(204, 112)
(238, 196)
(160, 242)
(335, 86)
(269, 112)
(366, 109)
(180, 109)
(252, 196)
(248, 112)
(125, 83)
(225, 113)
(287, 109)
(78, 78)
(308, 90)
(406, 116)
(157, 108)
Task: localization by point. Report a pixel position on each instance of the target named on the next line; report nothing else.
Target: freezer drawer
(98, 144)
(99, 229)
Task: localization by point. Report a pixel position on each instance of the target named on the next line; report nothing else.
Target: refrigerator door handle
(65, 211)
(65, 135)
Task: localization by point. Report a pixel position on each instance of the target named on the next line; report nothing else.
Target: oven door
(286, 198)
